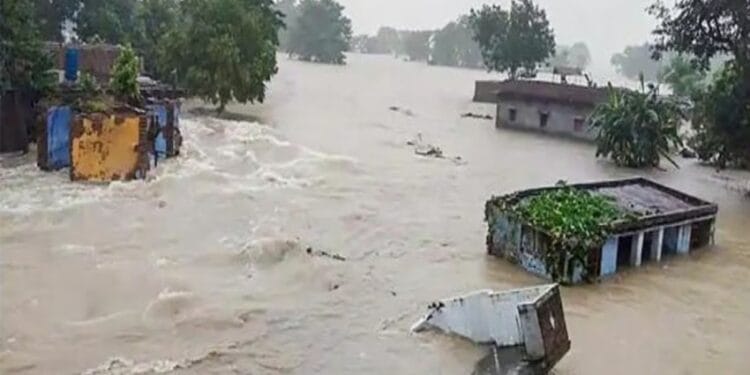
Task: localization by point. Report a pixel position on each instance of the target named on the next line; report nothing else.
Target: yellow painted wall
(105, 148)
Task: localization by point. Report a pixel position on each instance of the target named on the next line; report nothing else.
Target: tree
(23, 64)
(52, 15)
(359, 43)
(514, 41)
(575, 56)
(579, 55)
(721, 121)
(223, 49)
(387, 40)
(112, 21)
(637, 60)
(684, 78)
(704, 30)
(416, 44)
(156, 18)
(321, 33)
(636, 129)
(290, 11)
(453, 45)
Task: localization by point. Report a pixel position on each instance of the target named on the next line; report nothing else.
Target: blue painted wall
(671, 239)
(609, 257)
(59, 120)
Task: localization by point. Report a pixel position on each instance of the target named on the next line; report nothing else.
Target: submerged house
(648, 222)
(548, 107)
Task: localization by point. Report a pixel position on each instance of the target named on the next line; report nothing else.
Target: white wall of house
(565, 120)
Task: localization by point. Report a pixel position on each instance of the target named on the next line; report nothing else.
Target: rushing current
(203, 268)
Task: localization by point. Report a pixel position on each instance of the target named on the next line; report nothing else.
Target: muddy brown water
(202, 269)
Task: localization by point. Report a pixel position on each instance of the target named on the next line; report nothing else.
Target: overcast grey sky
(607, 26)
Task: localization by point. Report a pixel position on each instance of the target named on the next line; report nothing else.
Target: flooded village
(368, 216)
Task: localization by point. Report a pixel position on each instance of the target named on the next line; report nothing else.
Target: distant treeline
(453, 45)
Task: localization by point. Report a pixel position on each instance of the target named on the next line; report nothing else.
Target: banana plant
(637, 128)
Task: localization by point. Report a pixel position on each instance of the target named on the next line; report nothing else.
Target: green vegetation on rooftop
(574, 221)
(570, 215)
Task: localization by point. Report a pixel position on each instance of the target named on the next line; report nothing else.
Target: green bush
(125, 73)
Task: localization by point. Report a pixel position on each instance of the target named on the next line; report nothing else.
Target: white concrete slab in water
(529, 318)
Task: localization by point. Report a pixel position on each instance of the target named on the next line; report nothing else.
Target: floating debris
(476, 116)
(325, 254)
(431, 151)
(525, 328)
(403, 111)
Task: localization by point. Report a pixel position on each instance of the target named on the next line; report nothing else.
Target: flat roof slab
(644, 200)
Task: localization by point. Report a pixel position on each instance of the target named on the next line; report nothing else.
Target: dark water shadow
(226, 115)
(508, 361)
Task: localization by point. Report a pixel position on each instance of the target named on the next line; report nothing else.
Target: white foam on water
(233, 156)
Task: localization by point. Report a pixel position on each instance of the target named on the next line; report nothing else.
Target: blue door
(58, 137)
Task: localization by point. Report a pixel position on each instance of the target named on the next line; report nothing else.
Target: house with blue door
(662, 222)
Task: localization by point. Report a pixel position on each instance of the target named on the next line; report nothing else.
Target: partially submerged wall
(94, 59)
(16, 115)
(53, 143)
(166, 115)
(545, 117)
(523, 245)
(107, 147)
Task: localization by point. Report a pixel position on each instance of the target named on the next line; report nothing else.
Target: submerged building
(547, 107)
(661, 222)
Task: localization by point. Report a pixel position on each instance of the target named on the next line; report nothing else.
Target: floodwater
(202, 269)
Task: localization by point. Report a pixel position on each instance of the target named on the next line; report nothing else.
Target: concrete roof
(551, 92)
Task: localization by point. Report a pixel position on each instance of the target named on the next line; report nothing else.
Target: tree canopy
(289, 9)
(684, 78)
(223, 49)
(156, 19)
(454, 45)
(706, 30)
(112, 21)
(575, 56)
(416, 44)
(51, 16)
(321, 32)
(721, 121)
(637, 60)
(514, 41)
(23, 64)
